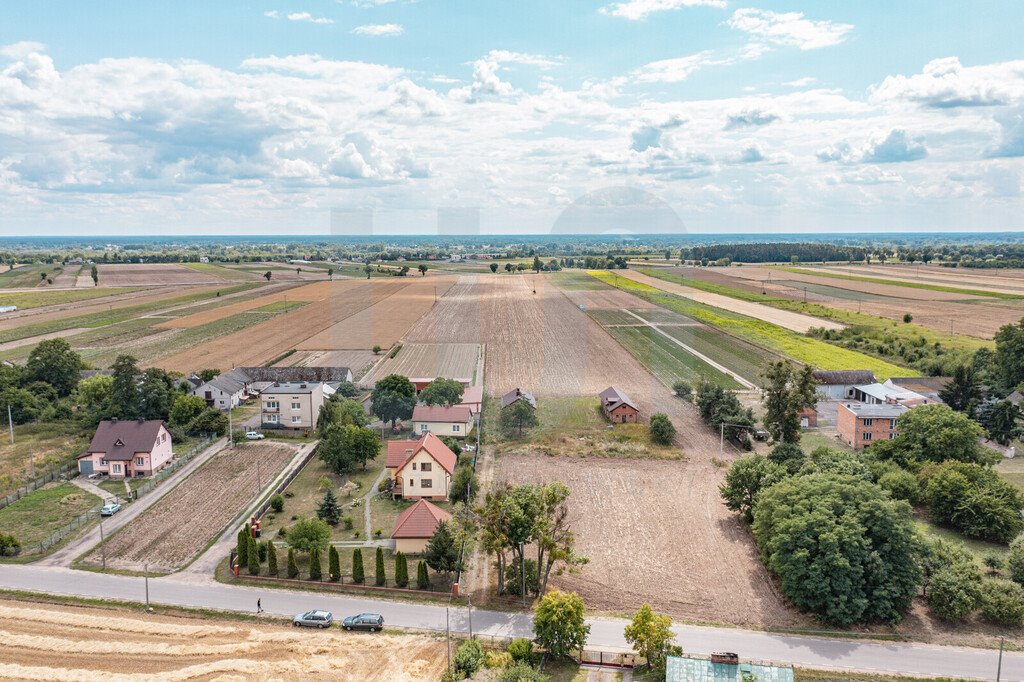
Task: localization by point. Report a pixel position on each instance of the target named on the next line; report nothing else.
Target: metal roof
(687, 669)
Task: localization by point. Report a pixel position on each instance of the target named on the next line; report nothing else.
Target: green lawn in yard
(812, 440)
(1013, 469)
(979, 548)
(42, 512)
(666, 360)
(48, 444)
(38, 299)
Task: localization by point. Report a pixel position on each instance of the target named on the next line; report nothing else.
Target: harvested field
(429, 360)
(658, 533)
(171, 532)
(383, 323)
(308, 293)
(61, 642)
(783, 318)
(153, 274)
(267, 340)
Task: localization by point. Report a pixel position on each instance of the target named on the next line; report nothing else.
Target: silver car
(314, 619)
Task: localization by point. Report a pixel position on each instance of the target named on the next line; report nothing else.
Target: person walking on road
(259, 606)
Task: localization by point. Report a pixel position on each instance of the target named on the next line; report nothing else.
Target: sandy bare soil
(170, 533)
(383, 323)
(153, 274)
(57, 642)
(428, 360)
(657, 531)
(784, 318)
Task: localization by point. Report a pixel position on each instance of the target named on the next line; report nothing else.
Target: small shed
(838, 384)
(808, 417)
(516, 395)
(416, 525)
(618, 406)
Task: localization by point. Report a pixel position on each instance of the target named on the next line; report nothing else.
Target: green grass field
(666, 360)
(900, 283)
(572, 280)
(42, 512)
(46, 444)
(43, 297)
(219, 271)
(760, 333)
(743, 358)
(27, 275)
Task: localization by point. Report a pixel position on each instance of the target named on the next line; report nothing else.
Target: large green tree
(650, 634)
(442, 553)
(963, 392)
(343, 448)
(185, 408)
(54, 362)
(341, 411)
(841, 547)
(787, 390)
(516, 417)
(935, 433)
(442, 391)
(1008, 363)
(393, 398)
(124, 393)
(1002, 421)
(305, 534)
(746, 479)
(559, 623)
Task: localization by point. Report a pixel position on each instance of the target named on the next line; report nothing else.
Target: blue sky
(288, 116)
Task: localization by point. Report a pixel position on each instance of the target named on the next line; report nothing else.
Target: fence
(51, 475)
(169, 470)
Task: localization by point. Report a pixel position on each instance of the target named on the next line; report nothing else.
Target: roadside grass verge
(41, 298)
(901, 283)
(758, 332)
(45, 511)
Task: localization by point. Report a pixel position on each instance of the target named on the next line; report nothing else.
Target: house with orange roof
(416, 525)
(420, 468)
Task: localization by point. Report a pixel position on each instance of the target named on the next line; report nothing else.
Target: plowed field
(153, 274)
(54, 642)
(310, 292)
(171, 532)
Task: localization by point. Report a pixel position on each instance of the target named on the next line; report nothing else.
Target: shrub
(348, 522)
(973, 499)
(271, 559)
(293, 568)
(252, 555)
(333, 564)
(277, 503)
(469, 658)
(662, 430)
(1015, 560)
(908, 318)
(377, 533)
(789, 456)
(521, 650)
(521, 672)
(315, 569)
(401, 570)
(902, 485)
(497, 659)
(422, 579)
(745, 480)
(306, 534)
(464, 485)
(1002, 602)
(282, 531)
(683, 390)
(329, 511)
(357, 566)
(955, 592)
(559, 623)
(380, 579)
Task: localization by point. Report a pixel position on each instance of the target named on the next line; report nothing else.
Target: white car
(110, 509)
(254, 435)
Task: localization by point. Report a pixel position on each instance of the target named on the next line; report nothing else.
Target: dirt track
(52, 642)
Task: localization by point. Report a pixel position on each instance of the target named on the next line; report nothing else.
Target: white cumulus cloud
(378, 30)
(635, 10)
(946, 84)
(788, 28)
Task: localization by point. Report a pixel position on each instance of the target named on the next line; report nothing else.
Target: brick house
(127, 448)
(420, 468)
(455, 421)
(859, 425)
(618, 407)
(416, 525)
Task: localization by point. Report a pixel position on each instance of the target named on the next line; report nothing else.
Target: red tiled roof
(457, 414)
(401, 451)
(121, 439)
(473, 394)
(419, 521)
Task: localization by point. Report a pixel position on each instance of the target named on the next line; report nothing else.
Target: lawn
(38, 299)
(758, 332)
(979, 548)
(666, 360)
(1013, 469)
(812, 440)
(48, 444)
(41, 513)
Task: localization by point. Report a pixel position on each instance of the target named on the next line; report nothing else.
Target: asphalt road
(606, 633)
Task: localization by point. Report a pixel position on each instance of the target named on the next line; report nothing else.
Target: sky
(424, 116)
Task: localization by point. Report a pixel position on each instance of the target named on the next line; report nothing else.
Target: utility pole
(721, 441)
(999, 669)
(10, 422)
(146, 572)
(103, 546)
(522, 571)
(448, 636)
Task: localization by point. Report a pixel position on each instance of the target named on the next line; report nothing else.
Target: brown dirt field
(383, 323)
(171, 532)
(60, 642)
(1010, 282)
(153, 274)
(658, 533)
(310, 292)
(794, 321)
(428, 360)
(262, 342)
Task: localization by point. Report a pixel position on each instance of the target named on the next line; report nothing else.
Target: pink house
(125, 449)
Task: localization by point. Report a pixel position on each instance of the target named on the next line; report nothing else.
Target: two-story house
(291, 405)
(127, 448)
(420, 469)
(860, 424)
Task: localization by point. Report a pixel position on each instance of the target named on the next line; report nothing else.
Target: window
(867, 436)
(869, 422)
(271, 418)
(412, 484)
(103, 462)
(296, 420)
(455, 428)
(414, 466)
(425, 466)
(892, 423)
(140, 461)
(296, 406)
(424, 428)
(892, 434)
(272, 404)
(117, 468)
(426, 483)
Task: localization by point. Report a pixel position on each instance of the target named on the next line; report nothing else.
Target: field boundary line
(721, 368)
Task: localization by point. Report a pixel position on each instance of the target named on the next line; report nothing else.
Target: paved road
(71, 551)
(606, 633)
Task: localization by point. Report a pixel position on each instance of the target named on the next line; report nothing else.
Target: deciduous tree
(559, 623)
(663, 432)
(54, 362)
(305, 534)
(650, 634)
(442, 391)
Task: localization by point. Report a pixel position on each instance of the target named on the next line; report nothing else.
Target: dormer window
(119, 443)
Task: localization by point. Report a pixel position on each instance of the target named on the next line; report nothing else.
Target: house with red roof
(455, 421)
(420, 468)
(416, 525)
(127, 448)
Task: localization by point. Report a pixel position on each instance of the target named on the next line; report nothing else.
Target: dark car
(364, 621)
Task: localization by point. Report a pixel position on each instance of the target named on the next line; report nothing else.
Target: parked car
(725, 658)
(761, 435)
(364, 621)
(254, 435)
(93, 477)
(110, 508)
(314, 619)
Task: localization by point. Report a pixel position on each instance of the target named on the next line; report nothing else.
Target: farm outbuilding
(618, 407)
(838, 384)
(808, 418)
(691, 669)
(517, 395)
